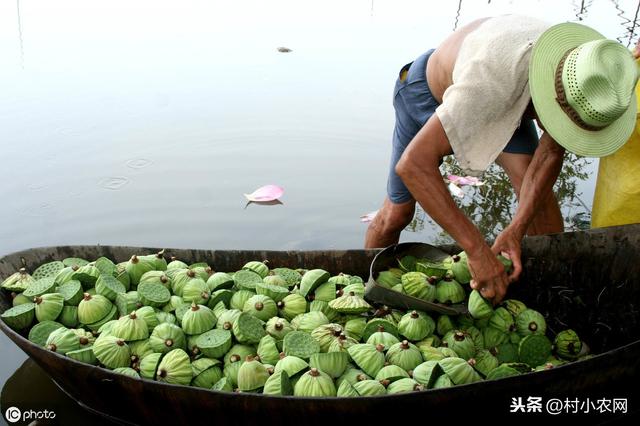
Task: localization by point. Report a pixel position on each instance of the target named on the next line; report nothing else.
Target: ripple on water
(114, 183)
(139, 163)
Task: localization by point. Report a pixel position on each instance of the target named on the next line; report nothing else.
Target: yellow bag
(617, 197)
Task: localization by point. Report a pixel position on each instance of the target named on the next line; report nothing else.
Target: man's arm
(418, 168)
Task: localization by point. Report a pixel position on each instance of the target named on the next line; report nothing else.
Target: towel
(483, 107)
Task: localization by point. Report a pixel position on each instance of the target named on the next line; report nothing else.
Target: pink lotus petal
(265, 193)
(465, 180)
(366, 218)
(455, 190)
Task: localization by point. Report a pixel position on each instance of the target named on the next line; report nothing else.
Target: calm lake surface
(143, 123)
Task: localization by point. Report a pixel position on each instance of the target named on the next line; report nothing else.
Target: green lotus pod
(112, 315)
(174, 302)
(92, 309)
(85, 338)
(493, 337)
(248, 329)
(291, 276)
(291, 364)
(259, 268)
(227, 318)
(369, 388)
(292, 306)
(127, 371)
(275, 280)
(69, 316)
(219, 281)
(112, 352)
(202, 270)
(326, 334)
(432, 341)
(416, 326)
(176, 264)
(502, 371)
(74, 261)
(166, 317)
(459, 371)
(155, 277)
(515, 307)
(221, 297)
(431, 354)
(418, 285)
(274, 292)
(502, 320)
(476, 336)
(48, 306)
(137, 266)
(103, 264)
(224, 385)
(374, 325)
(85, 355)
(445, 324)
(506, 352)
(48, 270)
(166, 337)
(443, 382)
(300, 344)
(354, 327)
(350, 304)
(461, 342)
(309, 321)
(261, 307)
(62, 340)
(40, 332)
(278, 384)
(530, 322)
(105, 329)
(40, 287)
(159, 262)
(130, 327)
(405, 355)
(206, 373)
(246, 279)
(65, 275)
(180, 311)
(427, 373)
(383, 338)
(404, 386)
(18, 282)
(352, 375)
(109, 287)
(195, 290)
(20, 299)
(328, 311)
(332, 363)
(534, 350)
(346, 390)
(87, 275)
(514, 338)
(478, 306)
(139, 349)
(148, 315)
(278, 327)
(342, 343)
(407, 263)
(231, 370)
(369, 358)
(175, 368)
(432, 269)
(484, 362)
(312, 279)
(315, 383)
(149, 365)
(268, 350)
(449, 291)
(71, 292)
(388, 279)
(180, 278)
(460, 268)
(238, 353)
(240, 297)
(128, 302)
(198, 319)
(342, 280)
(567, 345)
(325, 292)
(391, 373)
(400, 289)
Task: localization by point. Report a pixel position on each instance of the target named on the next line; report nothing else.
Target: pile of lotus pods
(277, 331)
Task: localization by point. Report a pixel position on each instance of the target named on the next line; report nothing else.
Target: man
(479, 87)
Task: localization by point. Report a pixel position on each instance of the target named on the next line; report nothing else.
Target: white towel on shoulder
(483, 107)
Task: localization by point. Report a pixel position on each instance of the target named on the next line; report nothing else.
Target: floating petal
(265, 193)
(366, 218)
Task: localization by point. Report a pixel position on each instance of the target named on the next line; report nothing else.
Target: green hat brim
(547, 53)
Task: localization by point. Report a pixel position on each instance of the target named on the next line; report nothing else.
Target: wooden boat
(588, 281)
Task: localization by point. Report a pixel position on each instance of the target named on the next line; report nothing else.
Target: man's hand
(489, 275)
(508, 245)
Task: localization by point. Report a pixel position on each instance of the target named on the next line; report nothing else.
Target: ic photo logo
(13, 414)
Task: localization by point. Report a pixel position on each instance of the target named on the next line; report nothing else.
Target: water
(143, 123)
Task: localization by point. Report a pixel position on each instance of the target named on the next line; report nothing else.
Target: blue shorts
(414, 105)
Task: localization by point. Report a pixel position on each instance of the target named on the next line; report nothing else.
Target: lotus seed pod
(275, 280)
(268, 350)
(156, 277)
(87, 275)
(369, 388)
(206, 373)
(405, 355)
(192, 347)
(515, 307)
(502, 320)
(148, 315)
(128, 302)
(514, 338)
(300, 344)
(427, 373)
(325, 292)
(443, 382)
(261, 307)
(21, 299)
(180, 311)
(259, 268)
(383, 338)
(444, 325)
(534, 350)
(312, 279)
(502, 371)
(71, 292)
(342, 343)
(248, 329)
(432, 269)
(214, 343)
(320, 306)
(220, 281)
(166, 337)
(109, 287)
(112, 352)
(478, 306)
(275, 292)
(460, 268)
(292, 365)
(292, 306)
(220, 300)
(343, 280)
(352, 375)
(127, 371)
(417, 284)
(65, 275)
(227, 318)
(459, 371)
(416, 326)
(231, 370)
(160, 263)
(139, 349)
(239, 352)
(400, 289)
(326, 334)
(407, 263)
(224, 385)
(432, 354)
(166, 317)
(137, 266)
(461, 342)
(354, 327)
(278, 384)
(198, 319)
(485, 362)
(369, 358)
(69, 316)
(18, 282)
(567, 345)
(346, 390)
(531, 322)
(48, 306)
(332, 363)
(40, 332)
(196, 290)
(92, 309)
(315, 383)
(309, 321)
(388, 279)
(374, 325)
(130, 327)
(278, 327)
(240, 297)
(252, 375)
(391, 373)
(493, 337)
(246, 279)
(291, 276)
(175, 368)
(433, 341)
(40, 287)
(449, 291)
(62, 340)
(350, 303)
(83, 355)
(404, 386)
(176, 264)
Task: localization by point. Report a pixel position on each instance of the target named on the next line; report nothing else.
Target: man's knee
(395, 217)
